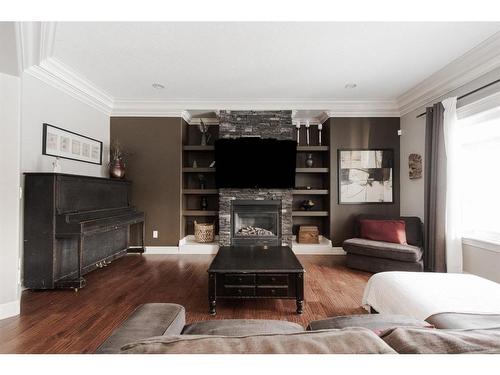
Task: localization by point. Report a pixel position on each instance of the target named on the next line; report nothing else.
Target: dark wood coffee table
(240, 272)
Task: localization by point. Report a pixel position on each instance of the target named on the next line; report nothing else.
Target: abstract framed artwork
(66, 144)
(365, 176)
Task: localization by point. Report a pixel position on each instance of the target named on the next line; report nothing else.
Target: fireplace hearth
(256, 223)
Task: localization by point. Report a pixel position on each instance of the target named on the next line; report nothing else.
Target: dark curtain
(435, 191)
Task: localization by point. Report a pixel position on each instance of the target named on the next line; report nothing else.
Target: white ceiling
(284, 61)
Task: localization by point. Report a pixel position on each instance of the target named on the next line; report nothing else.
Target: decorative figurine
(320, 127)
(307, 205)
(56, 167)
(195, 164)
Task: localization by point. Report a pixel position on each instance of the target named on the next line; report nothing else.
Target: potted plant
(117, 162)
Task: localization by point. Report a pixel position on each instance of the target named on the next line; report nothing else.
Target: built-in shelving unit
(311, 192)
(194, 197)
(313, 183)
(311, 213)
(198, 148)
(311, 170)
(198, 170)
(199, 213)
(200, 191)
(312, 148)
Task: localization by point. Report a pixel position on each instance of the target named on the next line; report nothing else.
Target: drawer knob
(273, 278)
(240, 291)
(240, 279)
(273, 291)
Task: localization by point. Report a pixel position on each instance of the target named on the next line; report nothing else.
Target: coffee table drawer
(239, 279)
(238, 291)
(269, 279)
(275, 291)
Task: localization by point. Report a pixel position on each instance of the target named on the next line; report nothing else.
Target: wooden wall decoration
(415, 166)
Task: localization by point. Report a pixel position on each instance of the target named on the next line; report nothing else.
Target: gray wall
(363, 133)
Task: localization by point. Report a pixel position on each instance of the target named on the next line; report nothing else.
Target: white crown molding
(58, 75)
(186, 116)
(340, 108)
(480, 60)
(47, 39)
(364, 108)
(29, 34)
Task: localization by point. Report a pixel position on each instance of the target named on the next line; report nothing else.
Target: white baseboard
(188, 245)
(10, 309)
(159, 250)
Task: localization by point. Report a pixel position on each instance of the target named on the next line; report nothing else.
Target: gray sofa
(377, 256)
(159, 328)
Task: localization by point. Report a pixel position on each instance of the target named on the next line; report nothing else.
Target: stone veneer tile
(266, 124)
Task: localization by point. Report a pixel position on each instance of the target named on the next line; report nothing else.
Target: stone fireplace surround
(264, 124)
(227, 196)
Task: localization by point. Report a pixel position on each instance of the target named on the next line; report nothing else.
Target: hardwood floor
(63, 321)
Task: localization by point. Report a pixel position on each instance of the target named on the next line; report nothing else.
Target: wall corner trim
(10, 309)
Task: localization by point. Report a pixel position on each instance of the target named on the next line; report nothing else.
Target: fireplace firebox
(256, 223)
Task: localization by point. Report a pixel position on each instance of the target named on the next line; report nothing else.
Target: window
(479, 158)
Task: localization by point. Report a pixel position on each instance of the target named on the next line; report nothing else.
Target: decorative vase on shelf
(117, 168)
(202, 181)
(204, 203)
(205, 136)
(309, 161)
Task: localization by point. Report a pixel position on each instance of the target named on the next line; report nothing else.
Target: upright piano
(73, 225)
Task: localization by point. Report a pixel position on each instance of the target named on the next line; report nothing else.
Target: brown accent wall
(376, 132)
(154, 166)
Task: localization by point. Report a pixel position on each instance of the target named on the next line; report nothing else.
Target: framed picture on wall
(365, 176)
(66, 144)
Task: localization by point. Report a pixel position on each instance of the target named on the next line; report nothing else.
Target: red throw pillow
(384, 230)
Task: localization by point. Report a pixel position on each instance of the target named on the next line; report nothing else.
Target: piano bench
(148, 320)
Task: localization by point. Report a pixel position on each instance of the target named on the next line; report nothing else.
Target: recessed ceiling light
(350, 86)
(158, 86)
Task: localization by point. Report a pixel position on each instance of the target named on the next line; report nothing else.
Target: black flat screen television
(255, 163)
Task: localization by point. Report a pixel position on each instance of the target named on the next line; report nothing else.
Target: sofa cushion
(374, 322)
(439, 341)
(374, 264)
(351, 340)
(384, 230)
(150, 319)
(241, 327)
(465, 321)
(404, 253)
